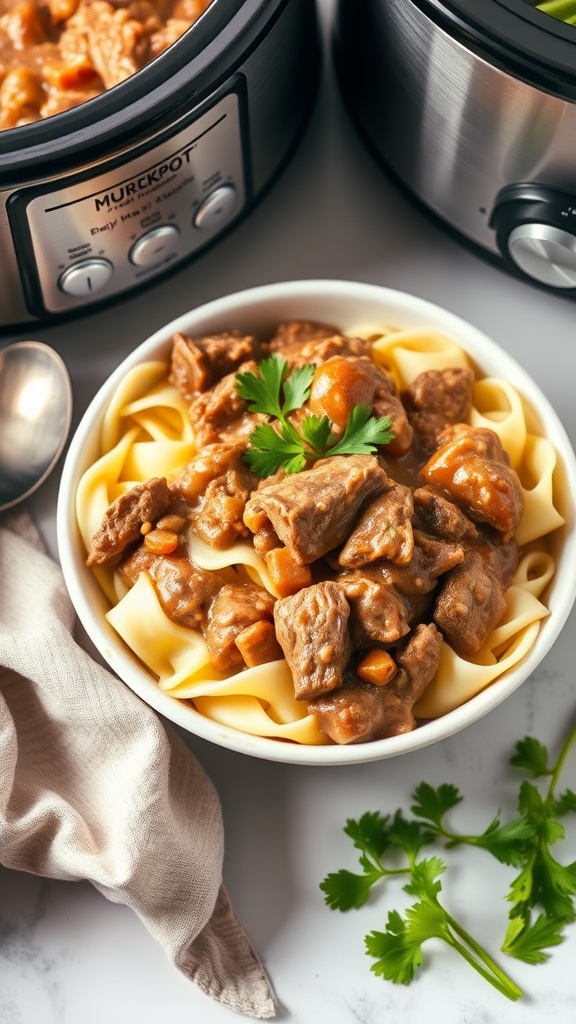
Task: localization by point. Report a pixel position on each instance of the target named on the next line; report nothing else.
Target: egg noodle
(146, 432)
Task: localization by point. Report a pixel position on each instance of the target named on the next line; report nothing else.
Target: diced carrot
(288, 576)
(258, 644)
(161, 542)
(377, 667)
(64, 76)
(255, 519)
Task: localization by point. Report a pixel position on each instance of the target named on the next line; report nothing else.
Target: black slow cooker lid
(196, 64)
(527, 42)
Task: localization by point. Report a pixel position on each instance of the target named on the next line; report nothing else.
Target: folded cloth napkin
(94, 786)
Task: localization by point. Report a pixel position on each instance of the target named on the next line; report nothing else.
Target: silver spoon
(35, 416)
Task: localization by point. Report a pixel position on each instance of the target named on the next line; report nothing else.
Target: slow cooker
(472, 106)
(99, 200)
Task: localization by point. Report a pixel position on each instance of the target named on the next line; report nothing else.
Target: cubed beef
(384, 530)
(430, 559)
(300, 346)
(216, 485)
(185, 591)
(437, 398)
(314, 511)
(124, 518)
(312, 629)
(198, 363)
(475, 470)
(434, 513)
(354, 713)
(377, 612)
(470, 604)
(235, 607)
(298, 332)
(220, 414)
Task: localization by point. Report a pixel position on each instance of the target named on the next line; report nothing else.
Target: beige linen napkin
(94, 786)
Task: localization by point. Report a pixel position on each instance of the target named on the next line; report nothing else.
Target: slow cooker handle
(535, 229)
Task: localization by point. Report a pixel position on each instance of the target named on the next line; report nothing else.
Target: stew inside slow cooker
(55, 54)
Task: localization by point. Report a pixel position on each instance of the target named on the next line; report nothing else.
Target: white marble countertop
(67, 955)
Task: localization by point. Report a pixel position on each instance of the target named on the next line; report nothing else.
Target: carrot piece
(288, 576)
(377, 667)
(161, 542)
(258, 644)
(64, 76)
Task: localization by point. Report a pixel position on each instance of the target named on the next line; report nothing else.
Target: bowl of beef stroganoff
(320, 522)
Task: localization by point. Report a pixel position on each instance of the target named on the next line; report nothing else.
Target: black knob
(535, 229)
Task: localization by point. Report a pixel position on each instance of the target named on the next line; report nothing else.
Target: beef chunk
(354, 713)
(434, 513)
(430, 559)
(312, 629)
(360, 712)
(184, 591)
(235, 607)
(219, 414)
(124, 519)
(474, 469)
(377, 612)
(437, 398)
(384, 530)
(198, 363)
(301, 347)
(313, 512)
(298, 332)
(502, 559)
(216, 485)
(387, 403)
(418, 655)
(470, 604)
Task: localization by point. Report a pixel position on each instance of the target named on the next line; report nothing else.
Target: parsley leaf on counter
(275, 392)
(542, 895)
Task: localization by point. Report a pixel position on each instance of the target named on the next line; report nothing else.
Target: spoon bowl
(35, 417)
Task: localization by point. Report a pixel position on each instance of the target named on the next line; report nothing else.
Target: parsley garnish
(275, 392)
(542, 895)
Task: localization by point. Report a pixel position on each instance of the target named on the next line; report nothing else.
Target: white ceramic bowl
(260, 309)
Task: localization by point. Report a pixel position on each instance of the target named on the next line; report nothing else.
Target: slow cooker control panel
(535, 229)
(104, 234)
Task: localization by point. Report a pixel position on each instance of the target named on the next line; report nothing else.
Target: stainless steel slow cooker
(472, 105)
(100, 199)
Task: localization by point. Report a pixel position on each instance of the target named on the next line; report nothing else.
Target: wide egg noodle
(410, 353)
(248, 715)
(240, 555)
(459, 679)
(258, 700)
(498, 406)
(539, 515)
(535, 571)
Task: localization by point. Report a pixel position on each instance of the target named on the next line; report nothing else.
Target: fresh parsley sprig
(542, 895)
(275, 392)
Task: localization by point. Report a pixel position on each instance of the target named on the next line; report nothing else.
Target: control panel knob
(216, 208)
(535, 229)
(85, 278)
(155, 245)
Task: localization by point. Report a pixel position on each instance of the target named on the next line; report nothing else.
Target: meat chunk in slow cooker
(55, 54)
